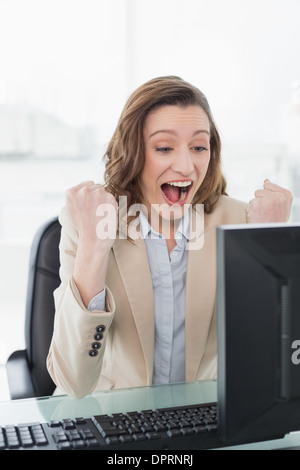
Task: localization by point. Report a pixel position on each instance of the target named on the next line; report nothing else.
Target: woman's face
(177, 155)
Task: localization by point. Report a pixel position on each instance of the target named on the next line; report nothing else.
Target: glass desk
(61, 407)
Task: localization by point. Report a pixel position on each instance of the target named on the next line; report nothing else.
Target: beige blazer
(125, 358)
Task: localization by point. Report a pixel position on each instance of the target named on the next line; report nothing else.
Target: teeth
(180, 184)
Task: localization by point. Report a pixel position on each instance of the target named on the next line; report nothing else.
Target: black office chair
(26, 370)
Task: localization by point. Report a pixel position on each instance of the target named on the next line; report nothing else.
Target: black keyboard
(184, 427)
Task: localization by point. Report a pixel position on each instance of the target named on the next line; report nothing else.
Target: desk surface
(60, 407)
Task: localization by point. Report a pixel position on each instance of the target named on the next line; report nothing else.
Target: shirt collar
(182, 233)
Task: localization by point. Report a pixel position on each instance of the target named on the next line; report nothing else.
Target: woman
(140, 310)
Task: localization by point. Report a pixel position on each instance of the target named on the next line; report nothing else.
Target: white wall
(244, 55)
(67, 56)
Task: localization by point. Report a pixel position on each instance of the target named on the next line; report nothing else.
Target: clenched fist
(271, 204)
(94, 213)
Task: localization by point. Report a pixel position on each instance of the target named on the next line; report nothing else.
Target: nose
(183, 163)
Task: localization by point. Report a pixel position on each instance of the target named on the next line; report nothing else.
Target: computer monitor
(258, 311)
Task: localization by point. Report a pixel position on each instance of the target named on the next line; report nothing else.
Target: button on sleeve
(98, 336)
(93, 353)
(100, 328)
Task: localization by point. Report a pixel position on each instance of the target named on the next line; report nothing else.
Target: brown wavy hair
(125, 153)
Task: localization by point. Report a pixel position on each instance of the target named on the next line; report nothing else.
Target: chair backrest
(43, 279)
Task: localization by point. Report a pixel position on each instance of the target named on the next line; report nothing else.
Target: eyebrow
(170, 131)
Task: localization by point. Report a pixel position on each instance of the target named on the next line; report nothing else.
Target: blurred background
(66, 70)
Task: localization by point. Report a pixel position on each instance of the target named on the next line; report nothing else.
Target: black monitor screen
(258, 307)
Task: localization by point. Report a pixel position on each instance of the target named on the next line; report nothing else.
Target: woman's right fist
(94, 213)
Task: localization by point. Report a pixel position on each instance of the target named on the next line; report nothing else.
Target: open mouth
(176, 192)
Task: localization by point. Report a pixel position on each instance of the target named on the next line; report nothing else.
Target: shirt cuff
(98, 302)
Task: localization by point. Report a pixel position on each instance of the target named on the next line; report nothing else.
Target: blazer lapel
(200, 300)
(133, 265)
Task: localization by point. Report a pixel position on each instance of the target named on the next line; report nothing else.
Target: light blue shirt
(168, 275)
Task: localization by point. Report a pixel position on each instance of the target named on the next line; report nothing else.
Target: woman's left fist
(271, 204)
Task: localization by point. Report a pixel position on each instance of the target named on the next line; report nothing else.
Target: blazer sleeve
(77, 348)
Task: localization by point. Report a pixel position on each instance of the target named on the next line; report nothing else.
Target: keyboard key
(68, 424)
(212, 427)
(78, 444)
(139, 436)
(200, 429)
(60, 436)
(64, 445)
(107, 426)
(112, 440)
(13, 443)
(74, 435)
(126, 438)
(87, 434)
(187, 431)
(27, 443)
(79, 421)
(152, 435)
(174, 433)
(41, 441)
(160, 427)
(92, 443)
(54, 424)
